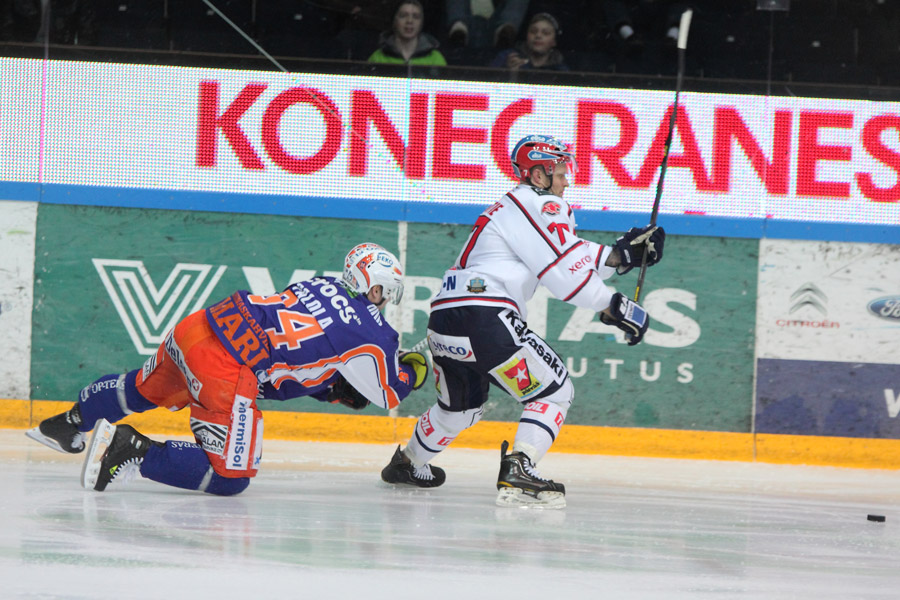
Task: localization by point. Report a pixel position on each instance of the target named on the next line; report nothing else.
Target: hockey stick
(683, 28)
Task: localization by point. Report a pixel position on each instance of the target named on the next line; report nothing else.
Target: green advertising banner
(110, 282)
(694, 369)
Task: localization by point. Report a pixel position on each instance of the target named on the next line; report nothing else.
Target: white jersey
(526, 238)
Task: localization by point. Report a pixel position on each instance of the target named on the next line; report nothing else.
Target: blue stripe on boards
(432, 212)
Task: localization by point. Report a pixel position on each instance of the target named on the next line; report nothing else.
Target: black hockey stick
(683, 28)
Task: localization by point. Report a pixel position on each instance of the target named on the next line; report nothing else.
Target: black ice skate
(401, 470)
(519, 483)
(61, 432)
(115, 454)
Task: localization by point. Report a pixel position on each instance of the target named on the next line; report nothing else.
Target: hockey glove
(344, 393)
(627, 315)
(631, 247)
(419, 365)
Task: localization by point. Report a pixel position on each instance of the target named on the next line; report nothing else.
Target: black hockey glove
(344, 393)
(631, 247)
(419, 365)
(627, 315)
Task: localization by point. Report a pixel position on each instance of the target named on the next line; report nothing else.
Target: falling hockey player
(324, 338)
(478, 335)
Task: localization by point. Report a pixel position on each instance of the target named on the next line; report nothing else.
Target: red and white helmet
(368, 265)
(542, 150)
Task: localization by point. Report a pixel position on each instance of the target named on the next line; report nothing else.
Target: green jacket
(426, 52)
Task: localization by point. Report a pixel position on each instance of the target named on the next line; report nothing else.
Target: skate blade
(37, 436)
(516, 498)
(100, 441)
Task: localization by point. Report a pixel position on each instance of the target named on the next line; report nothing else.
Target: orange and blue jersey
(297, 342)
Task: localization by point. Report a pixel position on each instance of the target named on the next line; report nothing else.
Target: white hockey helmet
(368, 265)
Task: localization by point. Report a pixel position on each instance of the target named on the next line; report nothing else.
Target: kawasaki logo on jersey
(517, 378)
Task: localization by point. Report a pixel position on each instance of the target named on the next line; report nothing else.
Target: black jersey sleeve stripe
(537, 227)
(580, 287)
(561, 256)
(599, 254)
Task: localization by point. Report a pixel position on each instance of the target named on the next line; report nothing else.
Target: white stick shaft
(683, 28)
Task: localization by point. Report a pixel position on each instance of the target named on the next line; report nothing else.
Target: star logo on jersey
(518, 378)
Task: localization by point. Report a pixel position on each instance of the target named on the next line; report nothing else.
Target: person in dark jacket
(538, 51)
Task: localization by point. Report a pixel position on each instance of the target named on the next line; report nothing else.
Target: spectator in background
(633, 21)
(485, 22)
(62, 21)
(407, 43)
(538, 51)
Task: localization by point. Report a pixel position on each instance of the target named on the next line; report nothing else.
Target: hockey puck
(876, 518)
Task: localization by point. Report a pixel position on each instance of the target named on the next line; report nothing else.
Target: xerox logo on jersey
(452, 346)
(551, 207)
(517, 378)
(580, 264)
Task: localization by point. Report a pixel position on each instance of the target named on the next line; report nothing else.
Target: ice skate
(519, 483)
(401, 470)
(61, 432)
(115, 454)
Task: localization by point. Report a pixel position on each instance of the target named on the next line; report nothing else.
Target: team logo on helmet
(368, 265)
(543, 150)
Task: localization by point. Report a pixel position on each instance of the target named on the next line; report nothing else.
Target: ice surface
(318, 523)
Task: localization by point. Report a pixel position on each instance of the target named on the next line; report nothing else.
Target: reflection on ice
(317, 521)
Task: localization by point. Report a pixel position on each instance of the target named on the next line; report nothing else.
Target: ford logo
(886, 308)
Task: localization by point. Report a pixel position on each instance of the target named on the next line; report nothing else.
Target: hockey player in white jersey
(477, 331)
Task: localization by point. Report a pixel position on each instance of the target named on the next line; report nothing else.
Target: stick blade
(683, 28)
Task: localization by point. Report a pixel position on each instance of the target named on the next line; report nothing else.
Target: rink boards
(818, 320)
(131, 195)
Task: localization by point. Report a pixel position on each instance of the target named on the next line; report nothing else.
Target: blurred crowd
(820, 41)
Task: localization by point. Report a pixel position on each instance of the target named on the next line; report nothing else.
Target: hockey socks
(185, 465)
(436, 429)
(538, 427)
(112, 397)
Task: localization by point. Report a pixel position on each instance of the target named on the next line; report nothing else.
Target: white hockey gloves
(631, 247)
(627, 315)
(419, 365)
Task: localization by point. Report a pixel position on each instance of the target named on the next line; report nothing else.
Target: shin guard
(185, 465)
(436, 429)
(541, 421)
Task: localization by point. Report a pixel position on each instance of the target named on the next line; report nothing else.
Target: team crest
(476, 285)
(551, 208)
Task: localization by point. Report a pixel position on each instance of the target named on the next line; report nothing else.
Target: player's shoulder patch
(551, 207)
